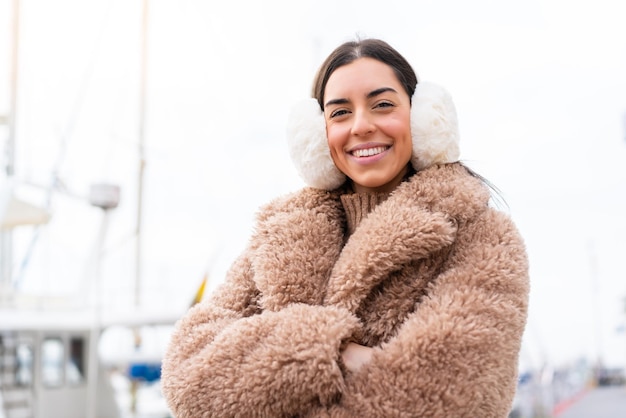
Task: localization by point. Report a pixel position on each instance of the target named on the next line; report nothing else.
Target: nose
(362, 123)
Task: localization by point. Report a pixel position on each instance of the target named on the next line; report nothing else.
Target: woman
(388, 288)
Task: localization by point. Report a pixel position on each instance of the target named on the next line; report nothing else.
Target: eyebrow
(371, 94)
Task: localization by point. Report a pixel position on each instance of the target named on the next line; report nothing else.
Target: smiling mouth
(368, 152)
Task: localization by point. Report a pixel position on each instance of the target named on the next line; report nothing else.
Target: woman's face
(367, 113)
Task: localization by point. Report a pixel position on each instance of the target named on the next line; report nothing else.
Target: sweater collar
(358, 205)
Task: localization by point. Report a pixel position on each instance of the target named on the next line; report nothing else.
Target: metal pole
(596, 308)
(93, 371)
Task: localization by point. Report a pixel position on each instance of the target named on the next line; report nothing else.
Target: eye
(383, 104)
(338, 112)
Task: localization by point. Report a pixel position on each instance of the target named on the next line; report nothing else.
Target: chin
(372, 186)
(378, 182)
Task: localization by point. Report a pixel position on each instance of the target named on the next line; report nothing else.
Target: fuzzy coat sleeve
(456, 354)
(229, 358)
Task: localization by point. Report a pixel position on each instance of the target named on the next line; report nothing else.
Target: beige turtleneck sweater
(358, 206)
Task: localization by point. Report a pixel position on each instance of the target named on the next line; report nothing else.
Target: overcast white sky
(540, 92)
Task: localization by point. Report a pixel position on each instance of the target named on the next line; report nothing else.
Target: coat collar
(300, 256)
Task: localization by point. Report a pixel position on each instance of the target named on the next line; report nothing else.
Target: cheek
(401, 130)
(399, 126)
(335, 139)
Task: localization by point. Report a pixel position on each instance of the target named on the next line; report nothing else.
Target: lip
(371, 159)
(366, 146)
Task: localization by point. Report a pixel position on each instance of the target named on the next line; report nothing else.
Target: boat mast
(6, 237)
(134, 384)
(141, 150)
(10, 144)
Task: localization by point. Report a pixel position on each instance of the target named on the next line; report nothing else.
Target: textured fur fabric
(433, 278)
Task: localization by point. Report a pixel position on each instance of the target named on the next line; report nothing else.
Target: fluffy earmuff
(308, 146)
(434, 131)
(434, 127)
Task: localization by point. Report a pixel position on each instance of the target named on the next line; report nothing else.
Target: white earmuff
(434, 131)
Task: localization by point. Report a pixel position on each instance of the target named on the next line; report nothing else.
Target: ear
(434, 127)
(308, 146)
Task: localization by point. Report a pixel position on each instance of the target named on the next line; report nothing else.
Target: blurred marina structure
(54, 358)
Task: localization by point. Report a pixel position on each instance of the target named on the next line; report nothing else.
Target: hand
(355, 355)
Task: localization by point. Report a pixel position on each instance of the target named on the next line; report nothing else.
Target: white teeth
(368, 152)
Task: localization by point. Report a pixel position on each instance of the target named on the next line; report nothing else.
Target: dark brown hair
(350, 51)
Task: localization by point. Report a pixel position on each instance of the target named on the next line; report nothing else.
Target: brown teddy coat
(433, 278)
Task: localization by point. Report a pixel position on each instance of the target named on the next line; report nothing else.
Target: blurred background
(182, 105)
